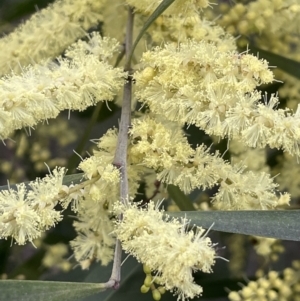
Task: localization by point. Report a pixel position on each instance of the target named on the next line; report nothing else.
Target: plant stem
(120, 159)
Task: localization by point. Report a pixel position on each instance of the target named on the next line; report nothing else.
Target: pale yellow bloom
(28, 211)
(166, 246)
(196, 83)
(179, 164)
(42, 91)
(48, 33)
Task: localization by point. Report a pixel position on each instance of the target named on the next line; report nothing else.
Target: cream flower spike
(165, 246)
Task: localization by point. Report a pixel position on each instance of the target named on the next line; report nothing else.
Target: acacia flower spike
(74, 83)
(165, 246)
(48, 33)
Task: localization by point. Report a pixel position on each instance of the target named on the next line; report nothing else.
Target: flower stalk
(120, 159)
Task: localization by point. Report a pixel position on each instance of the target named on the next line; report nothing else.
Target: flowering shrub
(191, 76)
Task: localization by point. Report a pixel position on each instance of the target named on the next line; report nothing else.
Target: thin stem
(116, 269)
(75, 188)
(120, 159)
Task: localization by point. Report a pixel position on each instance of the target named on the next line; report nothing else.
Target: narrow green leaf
(181, 200)
(289, 66)
(281, 224)
(75, 178)
(159, 10)
(27, 290)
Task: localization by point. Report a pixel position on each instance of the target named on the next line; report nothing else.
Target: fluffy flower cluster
(94, 202)
(166, 247)
(42, 91)
(48, 33)
(153, 144)
(181, 28)
(106, 190)
(107, 186)
(29, 210)
(196, 83)
(194, 75)
(152, 150)
(178, 164)
(94, 227)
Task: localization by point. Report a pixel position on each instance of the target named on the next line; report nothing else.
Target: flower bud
(148, 280)
(144, 289)
(156, 295)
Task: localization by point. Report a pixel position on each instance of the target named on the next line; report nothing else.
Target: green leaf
(181, 200)
(75, 178)
(27, 290)
(289, 66)
(159, 10)
(281, 224)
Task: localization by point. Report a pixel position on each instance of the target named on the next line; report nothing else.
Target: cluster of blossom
(270, 25)
(105, 153)
(152, 147)
(94, 241)
(93, 205)
(27, 211)
(42, 91)
(30, 210)
(148, 236)
(202, 81)
(263, 16)
(179, 164)
(195, 83)
(181, 28)
(48, 33)
(273, 286)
